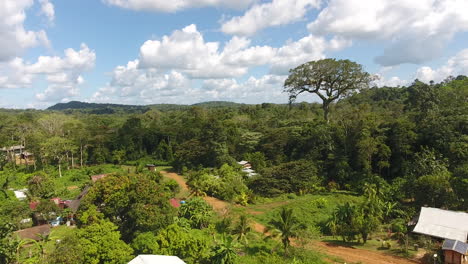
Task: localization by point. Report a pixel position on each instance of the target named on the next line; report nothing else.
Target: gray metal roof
(455, 245)
(443, 224)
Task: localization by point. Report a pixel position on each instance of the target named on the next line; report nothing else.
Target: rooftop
(156, 259)
(456, 246)
(34, 232)
(442, 224)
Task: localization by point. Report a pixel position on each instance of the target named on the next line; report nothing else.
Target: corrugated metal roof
(443, 224)
(156, 259)
(455, 245)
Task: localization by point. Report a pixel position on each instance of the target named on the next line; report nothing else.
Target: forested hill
(97, 108)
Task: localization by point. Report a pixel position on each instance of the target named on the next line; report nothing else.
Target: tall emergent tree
(330, 79)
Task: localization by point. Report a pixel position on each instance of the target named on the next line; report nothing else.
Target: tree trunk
(81, 155)
(326, 110)
(73, 161)
(68, 161)
(60, 167)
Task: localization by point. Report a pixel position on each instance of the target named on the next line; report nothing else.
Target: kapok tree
(329, 79)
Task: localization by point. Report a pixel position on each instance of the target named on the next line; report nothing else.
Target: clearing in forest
(348, 254)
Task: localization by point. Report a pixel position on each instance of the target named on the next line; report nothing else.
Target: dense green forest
(381, 154)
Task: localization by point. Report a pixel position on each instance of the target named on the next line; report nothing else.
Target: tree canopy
(329, 79)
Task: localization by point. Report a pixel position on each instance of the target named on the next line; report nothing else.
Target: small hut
(151, 167)
(455, 252)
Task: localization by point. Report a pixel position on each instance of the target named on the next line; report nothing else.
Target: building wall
(452, 257)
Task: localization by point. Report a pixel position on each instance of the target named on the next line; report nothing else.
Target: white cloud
(137, 86)
(47, 9)
(130, 84)
(168, 69)
(306, 49)
(390, 82)
(14, 37)
(187, 52)
(63, 74)
(456, 65)
(267, 88)
(177, 5)
(416, 31)
(275, 13)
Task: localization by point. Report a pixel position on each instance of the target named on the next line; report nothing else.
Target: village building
(20, 194)
(19, 155)
(455, 252)
(156, 259)
(448, 225)
(247, 168)
(34, 233)
(151, 167)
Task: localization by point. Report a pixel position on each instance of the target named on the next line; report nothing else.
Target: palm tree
(224, 226)
(242, 229)
(286, 226)
(225, 252)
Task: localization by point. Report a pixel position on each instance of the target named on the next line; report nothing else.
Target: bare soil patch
(356, 255)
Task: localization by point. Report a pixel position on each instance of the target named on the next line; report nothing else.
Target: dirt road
(219, 206)
(348, 254)
(356, 255)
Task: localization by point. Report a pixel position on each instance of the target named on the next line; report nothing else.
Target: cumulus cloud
(169, 69)
(47, 9)
(394, 81)
(275, 13)
(176, 5)
(416, 31)
(14, 37)
(306, 49)
(456, 65)
(136, 86)
(130, 84)
(267, 88)
(62, 74)
(186, 51)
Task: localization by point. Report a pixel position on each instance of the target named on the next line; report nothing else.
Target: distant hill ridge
(97, 106)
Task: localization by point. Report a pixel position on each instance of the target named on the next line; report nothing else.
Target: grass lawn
(311, 209)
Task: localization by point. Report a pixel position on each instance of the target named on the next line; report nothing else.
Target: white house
(156, 259)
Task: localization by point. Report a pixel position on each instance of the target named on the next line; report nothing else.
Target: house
(247, 168)
(455, 252)
(156, 259)
(151, 167)
(26, 158)
(75, 204)
(449, 225)
(443, 224)
(249, 172)
(245, 164)
(18, 154)
(13, 150)
(21, 194)
(34, 233)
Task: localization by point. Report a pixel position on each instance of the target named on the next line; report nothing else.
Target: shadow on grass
(340, 243)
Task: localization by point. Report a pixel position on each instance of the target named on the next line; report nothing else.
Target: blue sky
(189, 51)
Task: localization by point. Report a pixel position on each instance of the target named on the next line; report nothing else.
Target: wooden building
(455, 252)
